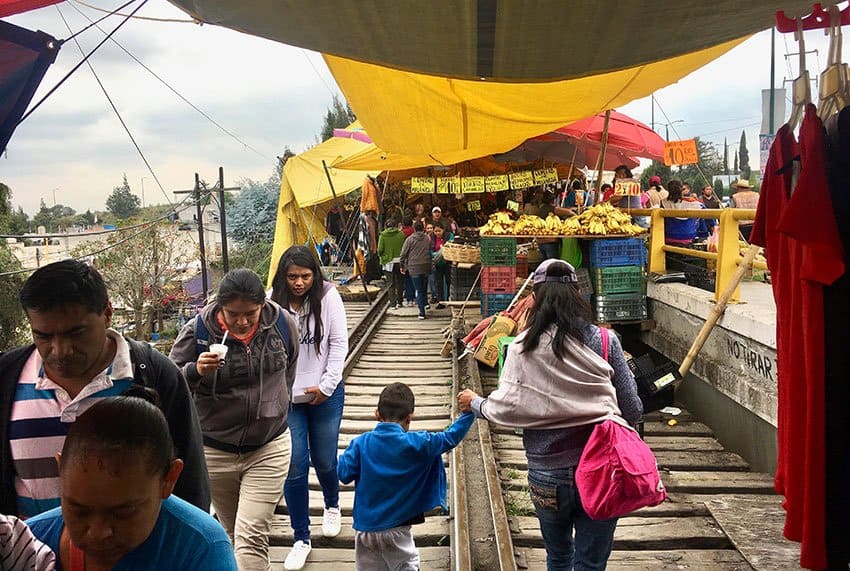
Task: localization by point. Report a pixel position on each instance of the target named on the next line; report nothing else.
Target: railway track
(491, 525)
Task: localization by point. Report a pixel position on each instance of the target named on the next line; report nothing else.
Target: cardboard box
(488, 350)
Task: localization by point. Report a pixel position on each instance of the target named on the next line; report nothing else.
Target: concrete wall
(733, 386)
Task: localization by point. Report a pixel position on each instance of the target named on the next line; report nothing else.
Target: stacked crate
(462, 282)
(617, 270)
(498, 273)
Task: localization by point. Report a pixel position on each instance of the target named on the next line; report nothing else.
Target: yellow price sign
(513, 205)
(472, 184)
(626, 187)
(497, 183)
(681, 152)
(522, 179)
(448, 184)
(545, 176)
(473, 205)
(422, 185)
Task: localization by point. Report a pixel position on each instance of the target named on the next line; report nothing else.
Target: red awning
(12, 7)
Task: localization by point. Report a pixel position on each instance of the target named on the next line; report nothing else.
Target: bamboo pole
(601, 162)
(718, 310)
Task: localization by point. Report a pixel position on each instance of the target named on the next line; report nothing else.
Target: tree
(744, 157)
(736, 170)
(122, 202)
(725, 157)
(709, 164)
(338, 116)
(718, 188)
(140, 266)
(12, 318)
(656, 168)
(252, 217)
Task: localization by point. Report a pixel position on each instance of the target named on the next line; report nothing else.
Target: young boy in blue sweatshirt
(398, 476)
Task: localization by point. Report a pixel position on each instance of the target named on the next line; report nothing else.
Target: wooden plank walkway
(403, 349)
(719, 515)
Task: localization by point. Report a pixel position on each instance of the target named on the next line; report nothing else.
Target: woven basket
(461, 253)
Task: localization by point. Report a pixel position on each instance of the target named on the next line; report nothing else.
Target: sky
(271, 96)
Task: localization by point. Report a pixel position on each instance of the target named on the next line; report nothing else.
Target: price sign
(473, 205)
(421, 185)
(496, 183)
(472, 184)
(681, 152)
(626, 187)
(448, 184)
(545, 176)
(522, 179)
(513, 205)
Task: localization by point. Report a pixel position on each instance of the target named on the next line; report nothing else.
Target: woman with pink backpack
(562, 377)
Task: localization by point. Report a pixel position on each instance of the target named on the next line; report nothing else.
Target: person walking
(415, 260)
(389, 249)
(317, 396)
(242, 393)
(562, 357)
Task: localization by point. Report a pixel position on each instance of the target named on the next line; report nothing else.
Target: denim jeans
(555, 498)
(409, 288)
(432, 286)
(315, 436)
(420, 282)
(549, 250)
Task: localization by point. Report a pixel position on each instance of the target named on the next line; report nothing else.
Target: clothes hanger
(835, 80)
(801, 88)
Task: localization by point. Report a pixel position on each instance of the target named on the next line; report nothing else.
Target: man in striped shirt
(76, 360)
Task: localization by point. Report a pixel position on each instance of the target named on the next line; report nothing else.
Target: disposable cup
(219, 349)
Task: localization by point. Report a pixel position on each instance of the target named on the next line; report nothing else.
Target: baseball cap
(655, 179)
(436, 209)
(541, 277)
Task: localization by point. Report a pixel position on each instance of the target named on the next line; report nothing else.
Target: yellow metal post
(657, 257)
(728, 255)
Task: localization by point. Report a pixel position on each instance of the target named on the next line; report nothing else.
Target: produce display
(602, 220)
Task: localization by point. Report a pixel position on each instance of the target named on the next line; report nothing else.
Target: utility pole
(143, 191)
(225, 262)
(196, 192)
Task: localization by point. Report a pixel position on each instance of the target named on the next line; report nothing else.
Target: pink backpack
(617, 473)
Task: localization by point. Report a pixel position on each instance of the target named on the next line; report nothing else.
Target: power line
(117, 113)
(76, 67)
(149, 18)
(108, 14)
(328, 87)
(173, 90)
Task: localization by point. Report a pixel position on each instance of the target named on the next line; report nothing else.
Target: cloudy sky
(270, 96)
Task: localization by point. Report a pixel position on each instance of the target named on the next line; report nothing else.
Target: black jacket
(159, 374)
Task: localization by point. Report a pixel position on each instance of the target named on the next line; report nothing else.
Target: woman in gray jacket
(560, 357)
(416, 260)
(242, 399)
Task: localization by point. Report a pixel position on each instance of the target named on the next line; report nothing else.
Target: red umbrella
(626, 136)
(556, 149)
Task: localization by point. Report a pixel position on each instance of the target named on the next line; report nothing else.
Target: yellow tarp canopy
(305, 194)
(418, 120)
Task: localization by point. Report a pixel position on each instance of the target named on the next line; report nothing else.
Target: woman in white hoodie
(318, 393)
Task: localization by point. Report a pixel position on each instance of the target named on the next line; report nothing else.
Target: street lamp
(54, 195)
(143, 191)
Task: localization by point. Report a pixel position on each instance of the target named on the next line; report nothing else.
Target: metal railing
(728, 254)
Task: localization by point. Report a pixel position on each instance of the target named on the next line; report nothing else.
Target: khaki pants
(245, 489)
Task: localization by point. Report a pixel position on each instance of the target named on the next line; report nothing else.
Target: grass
(518, 503)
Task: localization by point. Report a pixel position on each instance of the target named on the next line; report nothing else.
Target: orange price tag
(681, 152)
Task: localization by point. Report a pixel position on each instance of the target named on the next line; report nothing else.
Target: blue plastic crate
(492, 303)
(617, 252)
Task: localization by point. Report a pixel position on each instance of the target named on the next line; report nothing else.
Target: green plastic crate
(618, 279)
(619, 307)
(498, 251)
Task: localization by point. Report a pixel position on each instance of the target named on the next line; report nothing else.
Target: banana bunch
(600, 220)
(498, 224)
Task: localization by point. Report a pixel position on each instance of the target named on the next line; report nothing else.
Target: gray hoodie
(243, 405)
(416, 254)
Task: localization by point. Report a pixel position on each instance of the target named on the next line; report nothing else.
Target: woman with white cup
(239, 356)
(318, 394)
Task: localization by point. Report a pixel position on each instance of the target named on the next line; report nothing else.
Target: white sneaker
(297, 556)
(331, 522)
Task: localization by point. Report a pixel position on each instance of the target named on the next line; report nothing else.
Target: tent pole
(601, 163)
(341, 207)
(570, 175)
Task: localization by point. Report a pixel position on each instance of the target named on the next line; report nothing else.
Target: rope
(108, 14)
(149, 18)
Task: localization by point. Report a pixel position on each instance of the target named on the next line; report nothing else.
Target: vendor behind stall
(542, 205)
